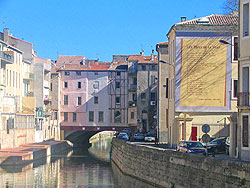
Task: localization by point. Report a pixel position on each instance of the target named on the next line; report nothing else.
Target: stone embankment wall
(165, 168)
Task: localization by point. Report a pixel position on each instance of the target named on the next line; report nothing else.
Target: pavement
(165, 146)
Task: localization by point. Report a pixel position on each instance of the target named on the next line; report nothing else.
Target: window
(166, 86)
(50, 86)
(152, 79)
(100, 116)
(66, 73)
(234, 89)
(117, 85)
(79, 101)
(134, 97)
(96, 73)
(235, 48)
(96, 85)
(143, 67)
(118, 73)
(117, 117)
(65, 116)
(91, 116)
(117, 100)
(95, 100)
(245, 131)
(66, 102)
(143, 96)
(74, 117)
(65, 84)
(245, 20)
(79, 85)
(134, 81)
(55, 115)
(153, 67)
(132, 115)
(153, 96)
(78, 73)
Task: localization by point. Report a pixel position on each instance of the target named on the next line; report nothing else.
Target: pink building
(74, 86)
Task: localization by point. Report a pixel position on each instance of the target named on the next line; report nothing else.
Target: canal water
(78, 168)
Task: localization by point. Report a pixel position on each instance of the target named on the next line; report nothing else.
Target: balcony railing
(132, 103)
(28, 76)
(7, 57)
(243, 99)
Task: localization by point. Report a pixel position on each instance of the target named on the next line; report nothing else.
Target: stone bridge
(80, 135)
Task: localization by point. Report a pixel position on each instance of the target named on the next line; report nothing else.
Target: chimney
(142, 53)
(152, 55)
(6, 35)
(183, 19)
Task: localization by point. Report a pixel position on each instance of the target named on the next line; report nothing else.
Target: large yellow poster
(203, 73)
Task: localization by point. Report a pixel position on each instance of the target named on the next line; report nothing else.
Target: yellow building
(241, 149)
(202, 76)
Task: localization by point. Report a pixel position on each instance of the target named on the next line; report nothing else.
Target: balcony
(132, 87)
(243, 100)
(7, 57)
(28, 76)
(132, 103)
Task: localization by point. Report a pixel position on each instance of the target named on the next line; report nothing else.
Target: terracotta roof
(98, 67)
(163, 43)
(142, 59)
(65, 59)
(213, 19)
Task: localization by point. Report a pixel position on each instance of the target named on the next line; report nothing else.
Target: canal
(78, 168)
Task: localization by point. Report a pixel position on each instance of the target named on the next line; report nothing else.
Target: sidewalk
(28, 153)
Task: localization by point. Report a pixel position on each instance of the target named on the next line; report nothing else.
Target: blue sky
(98, 28)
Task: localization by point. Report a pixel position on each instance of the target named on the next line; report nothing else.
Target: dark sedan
(218, 145)
(191, 147)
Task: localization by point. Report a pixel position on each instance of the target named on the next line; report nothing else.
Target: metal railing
(243, 99)
(7, 57)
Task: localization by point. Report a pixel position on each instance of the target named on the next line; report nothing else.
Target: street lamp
(225, 42)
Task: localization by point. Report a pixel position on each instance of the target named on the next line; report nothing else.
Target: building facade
(241, 139)
(17, 102)
(202, 77)
(163, 98)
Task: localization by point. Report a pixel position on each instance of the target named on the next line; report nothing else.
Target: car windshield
(123, 134)
(216, 141)
(138, 134)
(194, 144)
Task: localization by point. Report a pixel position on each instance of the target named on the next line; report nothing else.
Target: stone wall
(165, 168)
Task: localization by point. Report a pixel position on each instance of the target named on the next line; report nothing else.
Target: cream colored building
(17, 107)
(202, 77)
(163, 97)
(241, 149)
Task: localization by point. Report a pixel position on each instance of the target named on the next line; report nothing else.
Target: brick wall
(173, 169)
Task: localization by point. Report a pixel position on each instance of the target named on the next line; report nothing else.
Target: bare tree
(230, 6)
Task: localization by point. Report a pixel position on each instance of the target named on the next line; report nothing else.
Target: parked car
(227, 145)
(191, 147)
(123, 136)
(149, 137)
(128, 131)
(218, 145)
(138, 137)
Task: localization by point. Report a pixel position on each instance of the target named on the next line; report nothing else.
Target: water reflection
(78, 168)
